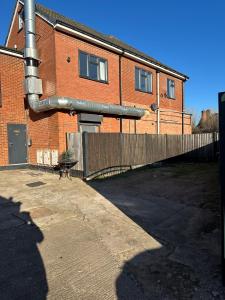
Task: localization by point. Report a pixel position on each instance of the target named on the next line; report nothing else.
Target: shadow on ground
(156, 277)
(22, 272)
(177, 204)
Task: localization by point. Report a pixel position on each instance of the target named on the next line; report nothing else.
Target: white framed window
(93, 67)
(143, 80)
(20, 20)
(170, 88)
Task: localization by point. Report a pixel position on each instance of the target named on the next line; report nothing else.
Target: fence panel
(107, 150)
(133, 149)
(155, 148)
(173, 145)
(104, 151)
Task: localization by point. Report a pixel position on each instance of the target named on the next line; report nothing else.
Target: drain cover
(35, 184)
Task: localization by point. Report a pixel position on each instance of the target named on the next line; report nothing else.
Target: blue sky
(186, 35)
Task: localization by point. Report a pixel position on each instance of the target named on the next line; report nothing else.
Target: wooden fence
(102, 151)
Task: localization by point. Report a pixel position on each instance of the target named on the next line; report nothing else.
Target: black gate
(17, 143)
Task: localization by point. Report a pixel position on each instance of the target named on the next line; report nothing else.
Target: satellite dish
(153, 106)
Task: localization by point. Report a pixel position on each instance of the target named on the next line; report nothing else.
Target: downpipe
(158, 103)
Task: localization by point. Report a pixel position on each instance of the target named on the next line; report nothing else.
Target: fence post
(85, 153)
(214, 145)
(146, 149)
(166, 146)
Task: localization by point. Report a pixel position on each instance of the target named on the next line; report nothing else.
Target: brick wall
(76, 87)
(70, 84)
(129, 94)
(12, 109)
(16, 38)
(43, 127)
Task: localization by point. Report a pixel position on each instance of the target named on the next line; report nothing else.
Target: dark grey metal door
(17, 143)
(89, 128)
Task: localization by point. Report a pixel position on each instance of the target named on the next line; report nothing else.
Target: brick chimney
(204, 115)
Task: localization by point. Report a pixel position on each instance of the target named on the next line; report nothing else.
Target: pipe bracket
(31, 53)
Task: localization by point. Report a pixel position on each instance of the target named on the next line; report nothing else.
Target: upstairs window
(143, 80)
(170, 88)
(20, 20)
(93, 67)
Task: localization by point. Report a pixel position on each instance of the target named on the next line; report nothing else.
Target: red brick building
(78, 62)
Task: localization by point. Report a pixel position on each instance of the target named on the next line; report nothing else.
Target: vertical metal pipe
(30, 28)
(182, 108)
(31, 56)
(120, 90)
(158, 102)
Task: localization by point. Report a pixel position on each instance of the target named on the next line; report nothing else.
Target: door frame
(90, 125)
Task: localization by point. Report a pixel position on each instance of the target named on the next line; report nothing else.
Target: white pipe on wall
(158, 103)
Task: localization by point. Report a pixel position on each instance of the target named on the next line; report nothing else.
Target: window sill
(96, 80)
(150, 93)
(170, 98)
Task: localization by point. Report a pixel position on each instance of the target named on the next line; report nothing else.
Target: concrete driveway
(148, 234)
(64, 240)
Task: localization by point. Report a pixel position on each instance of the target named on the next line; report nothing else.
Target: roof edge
(121, 50)
(11, 22)
(10, 51)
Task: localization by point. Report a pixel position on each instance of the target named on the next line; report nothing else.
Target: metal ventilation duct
(33, 85)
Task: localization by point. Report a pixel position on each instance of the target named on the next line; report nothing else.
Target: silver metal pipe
(33, 85)
(158, 102)
(71, 104)
(30, 28)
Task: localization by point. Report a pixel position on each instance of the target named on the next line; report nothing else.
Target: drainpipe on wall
(182, 107)
(158, 102)
(33, 85)
(120, 89)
